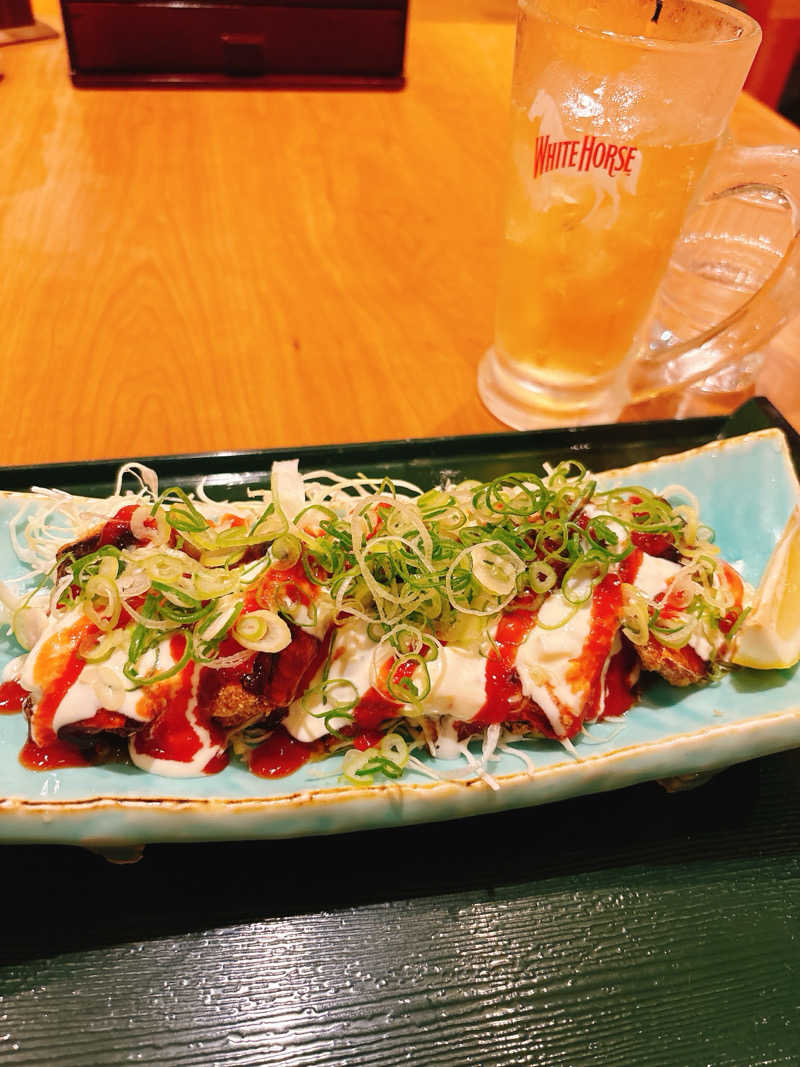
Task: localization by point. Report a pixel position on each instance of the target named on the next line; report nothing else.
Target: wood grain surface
(197, 271)
(635, 927)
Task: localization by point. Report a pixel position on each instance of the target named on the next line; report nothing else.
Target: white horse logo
(607, 188)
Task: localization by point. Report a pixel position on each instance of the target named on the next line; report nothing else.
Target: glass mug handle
(751, 278)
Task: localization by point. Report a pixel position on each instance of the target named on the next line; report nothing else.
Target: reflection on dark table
(627, 928)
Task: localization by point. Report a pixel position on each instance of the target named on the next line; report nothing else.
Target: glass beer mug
(619, 135)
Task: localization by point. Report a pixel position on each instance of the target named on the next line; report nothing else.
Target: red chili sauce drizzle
(621, 672)
(504, 698)
(279, 755)
(293, 668)
(654, 544)
(612, 691)
(11, 696)
(52, 755)
(211, 680)
(613, 694)
(367, 739)
(737, 589)
(44, 750)
(585, 673)
(62, 663)
(289, 582)
(375, 706)
(171, 735)
(117, 529)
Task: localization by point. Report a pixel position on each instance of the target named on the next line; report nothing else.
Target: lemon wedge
(770, 635)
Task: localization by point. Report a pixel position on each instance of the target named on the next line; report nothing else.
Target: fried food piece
(233, 706)
(678, 666)
(273, 681)
(291, 670)
(115, 531)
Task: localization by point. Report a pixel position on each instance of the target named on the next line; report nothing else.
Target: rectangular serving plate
(747, 491)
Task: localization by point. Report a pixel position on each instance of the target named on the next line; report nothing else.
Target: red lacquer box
(246, 44)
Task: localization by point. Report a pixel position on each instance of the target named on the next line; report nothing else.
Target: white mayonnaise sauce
(95, 689)
(351, 660)
(54, 624)
(457, 676)
(315, 618)
(446, 745)
(458, 683)
(98, 685)
(652, 578)
(654, 574)
(544, 657)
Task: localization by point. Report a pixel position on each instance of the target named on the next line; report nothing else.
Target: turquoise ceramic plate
(747, 487)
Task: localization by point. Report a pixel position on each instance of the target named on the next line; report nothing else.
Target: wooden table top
(199, 271)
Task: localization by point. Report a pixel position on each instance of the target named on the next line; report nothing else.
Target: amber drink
(618, 107)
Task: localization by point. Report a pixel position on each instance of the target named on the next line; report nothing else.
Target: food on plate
(356, 616)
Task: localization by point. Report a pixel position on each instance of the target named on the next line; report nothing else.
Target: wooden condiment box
(246, 44)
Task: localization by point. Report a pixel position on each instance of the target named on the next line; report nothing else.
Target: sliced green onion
(394, 748)
(285, 551)
(541, 576)
(181, 513)
(98, 651)
(353, 767)
(262, 631)
(130, 670)
(413, 688)
(102, 604)
(581, 578)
